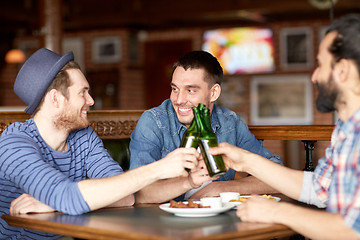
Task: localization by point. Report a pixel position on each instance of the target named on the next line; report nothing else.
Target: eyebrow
(186, 86)
(86, 88)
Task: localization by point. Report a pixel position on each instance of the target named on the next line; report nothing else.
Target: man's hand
(199, 175)
(176, 163)
(234, 157)
(28, 204)
(258, 209)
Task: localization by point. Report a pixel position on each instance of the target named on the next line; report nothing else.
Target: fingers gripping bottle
(207, 139)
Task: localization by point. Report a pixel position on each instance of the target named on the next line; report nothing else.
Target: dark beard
(70, 121)
(327, 95)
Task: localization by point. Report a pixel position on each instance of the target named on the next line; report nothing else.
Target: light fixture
(323, 4)
(15, 56)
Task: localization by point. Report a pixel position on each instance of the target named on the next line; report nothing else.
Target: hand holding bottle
(233, 156)
(199, 175)
(175, 163)
(200, 134)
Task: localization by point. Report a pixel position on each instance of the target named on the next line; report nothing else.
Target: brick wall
(7, 79)
(131, 79)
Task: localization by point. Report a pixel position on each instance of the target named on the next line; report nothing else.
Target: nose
(89, 100)
(315, 75)
(181, 98)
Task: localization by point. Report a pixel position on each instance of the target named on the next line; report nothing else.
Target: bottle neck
(207, 120)
(194, 124)
(205, 123)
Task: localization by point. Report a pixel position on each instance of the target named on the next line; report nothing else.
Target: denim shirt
(159, 132)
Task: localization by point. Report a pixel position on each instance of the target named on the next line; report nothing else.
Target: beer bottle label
(215, 164)
(190, 141)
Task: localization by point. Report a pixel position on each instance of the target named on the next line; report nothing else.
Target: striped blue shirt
(29, 165)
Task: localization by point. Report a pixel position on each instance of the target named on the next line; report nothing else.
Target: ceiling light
(15, 56)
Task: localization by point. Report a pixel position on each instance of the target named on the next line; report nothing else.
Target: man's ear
(347, 73)
(215, 92)
(54, 97)
(342, 69)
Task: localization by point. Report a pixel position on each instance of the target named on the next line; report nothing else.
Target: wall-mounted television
(241, 50)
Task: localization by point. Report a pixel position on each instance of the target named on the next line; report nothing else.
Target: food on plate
(243, 199)
(240, 199)
(189, 204)
(268, 197)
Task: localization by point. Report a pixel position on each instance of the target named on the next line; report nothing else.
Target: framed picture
(106, 49)
(76, 45)
(296, 48)
(281, 100)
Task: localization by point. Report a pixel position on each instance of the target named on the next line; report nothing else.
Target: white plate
(195, 212)
(248, 196)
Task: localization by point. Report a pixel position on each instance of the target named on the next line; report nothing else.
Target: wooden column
(52, 24)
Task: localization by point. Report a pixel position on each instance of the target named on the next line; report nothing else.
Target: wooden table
(147, 222)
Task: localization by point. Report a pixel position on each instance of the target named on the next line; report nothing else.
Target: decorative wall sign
(296, 48)
(281, 100)
(106, 49)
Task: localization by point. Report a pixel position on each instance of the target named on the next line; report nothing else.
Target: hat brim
(51, 75)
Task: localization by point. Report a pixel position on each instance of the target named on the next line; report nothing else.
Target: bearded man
(54, 161)
(335, 182)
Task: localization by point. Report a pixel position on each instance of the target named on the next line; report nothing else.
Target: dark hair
(347, 42)
(202, 60)
(61, 82)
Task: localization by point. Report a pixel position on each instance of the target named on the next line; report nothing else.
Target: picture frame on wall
(281, 100)
(296, 48)
(106, 49)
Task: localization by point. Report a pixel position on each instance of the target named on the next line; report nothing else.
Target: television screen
(241, 50)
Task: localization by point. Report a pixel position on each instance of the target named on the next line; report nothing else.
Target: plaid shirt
(337, 175)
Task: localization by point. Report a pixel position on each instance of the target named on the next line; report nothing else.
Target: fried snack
(243, 199)
(190, 204)
(268, 197)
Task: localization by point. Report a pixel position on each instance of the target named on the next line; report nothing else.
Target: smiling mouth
(84, 112)
(184, 110)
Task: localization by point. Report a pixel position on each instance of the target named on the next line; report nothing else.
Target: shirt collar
(349, 126)
(178, 125)
(215, 123)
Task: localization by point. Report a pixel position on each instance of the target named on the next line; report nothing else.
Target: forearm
(163, 190)
(248, 185)
(315, 224)
(126, 201)
(281, 179)
(102, 192)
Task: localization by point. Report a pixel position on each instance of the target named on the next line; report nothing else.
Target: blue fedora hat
(36, 75)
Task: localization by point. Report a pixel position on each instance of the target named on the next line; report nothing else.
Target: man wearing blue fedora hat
(54, 161)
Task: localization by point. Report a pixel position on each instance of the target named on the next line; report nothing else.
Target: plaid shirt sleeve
(337, 176)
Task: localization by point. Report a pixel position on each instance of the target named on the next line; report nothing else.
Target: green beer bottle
(191, 135)
(207, 139)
